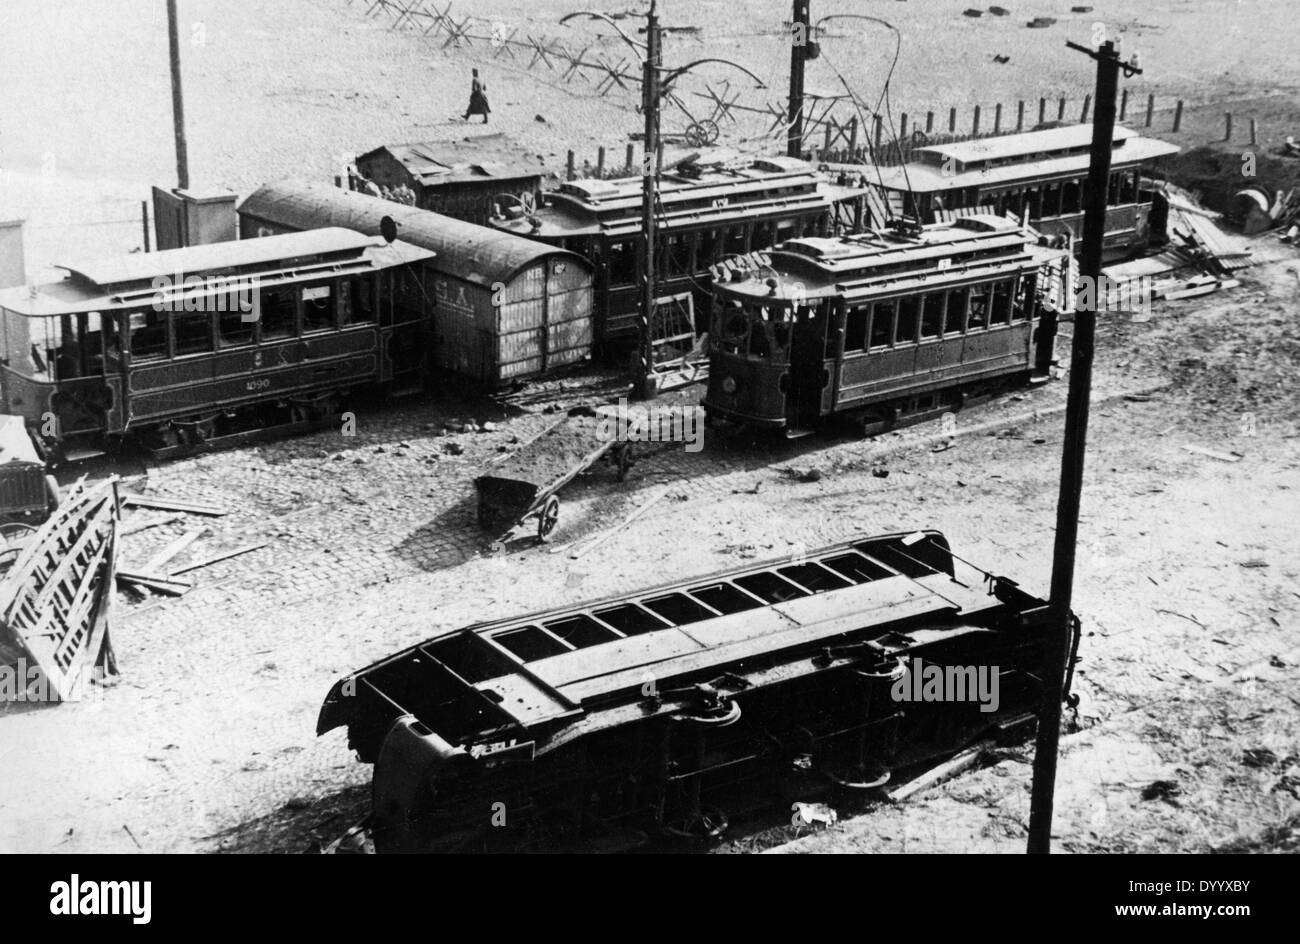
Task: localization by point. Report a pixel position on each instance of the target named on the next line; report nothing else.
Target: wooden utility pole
(801, 50)
(178, 102)
(1076, 434)
(649, 181)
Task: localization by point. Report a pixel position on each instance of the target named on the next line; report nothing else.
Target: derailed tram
(662, 713)
(884, 324)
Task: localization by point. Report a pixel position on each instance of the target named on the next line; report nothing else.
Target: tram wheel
(547, 518)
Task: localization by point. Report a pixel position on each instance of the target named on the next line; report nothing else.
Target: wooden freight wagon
(505, 308)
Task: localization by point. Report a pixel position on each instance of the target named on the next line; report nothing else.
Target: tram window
(725, 598)
(979, 308)
(530, 643)
(279, 317)
(857, 568)
(621, 263)
(707, 253)
(932, 315)
(192, 332)
(814, 577)
(882, 324)
(630, 619)
(1034, 197)
(781, 333)
(233, 329)
(737, 241)
(1002, 303)
(908, 309)
(785, 230)
(1023, 309)
(581, 631)
(68, 358)
(356, 301)
(955, 316)
(678, 608)
(760, 346)
(855, 329)
(1051, 200)
(732, 329)
(677, 254)
(148, 335)
(770, 587)
(1070, 197)
(317, 307)
(1128, 186)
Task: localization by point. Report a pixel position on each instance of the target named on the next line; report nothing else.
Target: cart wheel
(547, 518)
(623, 459)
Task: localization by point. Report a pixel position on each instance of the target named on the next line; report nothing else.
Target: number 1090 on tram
(883, 324)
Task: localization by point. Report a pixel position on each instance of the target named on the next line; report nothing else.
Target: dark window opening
(470, 658)
(882, 324)
(621, 263)
(856, 568)
(725, 598)
(737, 241)
(955, 317)
(908, 310)
(815, 578)
(1051, 200)
(630, 619)
(148, 334)
(770, 587)
(979, 308)
(759, 344)
(1002, 303)
(234, 329)
(855, 329)
(193, 332)
(906, 559)
(1026, 299)
(317, 307)
(1071, 197)
(932, 315)
(530, 643)
(678, 608)
(279, 319)
(357, 301)
(580, 631)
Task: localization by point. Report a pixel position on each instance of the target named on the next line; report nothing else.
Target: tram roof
(1032, 155)
(970, 246)
(479, 254)
(721, 192)
(117, 281)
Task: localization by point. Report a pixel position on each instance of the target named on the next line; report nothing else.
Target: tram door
(809, 370)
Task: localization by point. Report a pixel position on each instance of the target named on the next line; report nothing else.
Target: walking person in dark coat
(478, 103)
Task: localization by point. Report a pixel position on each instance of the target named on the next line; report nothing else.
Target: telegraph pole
(1076, 434)
(800, 46)
(178, 103)
(649, 180)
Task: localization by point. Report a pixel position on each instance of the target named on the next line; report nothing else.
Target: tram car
(664, 711)
(190, 346)
(710, 210)
(1038, 176)
(506, 309)
(883, 325)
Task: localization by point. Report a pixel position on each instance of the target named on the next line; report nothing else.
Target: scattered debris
(809, 814)
(1258, 757)
(453, 448)
(1162, 790)
(1041, 22)
(967, 759)
(156, 583)
(1001, 60)
(217, 558)
(644, 507)
(802, 475)
(1214, 453)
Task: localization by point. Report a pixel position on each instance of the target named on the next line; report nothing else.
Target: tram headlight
(729, 385)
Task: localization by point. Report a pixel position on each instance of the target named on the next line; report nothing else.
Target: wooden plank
(164, 504)
(218, 558)
(171, 550)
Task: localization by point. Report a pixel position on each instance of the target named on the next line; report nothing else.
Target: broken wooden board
(167, 504)
(56, 600)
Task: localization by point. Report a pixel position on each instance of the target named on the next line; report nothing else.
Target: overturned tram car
(661, 711)
(883, 324)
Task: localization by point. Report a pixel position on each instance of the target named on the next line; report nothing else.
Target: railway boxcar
(882, 324)
(662, 709)
(186, 346)
(1038, 175)
(708, 212)
(505, 308)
